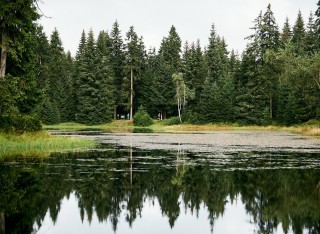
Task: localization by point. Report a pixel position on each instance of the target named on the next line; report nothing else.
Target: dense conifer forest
(276, 80)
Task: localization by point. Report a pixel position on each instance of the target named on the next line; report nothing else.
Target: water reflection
(122, 189)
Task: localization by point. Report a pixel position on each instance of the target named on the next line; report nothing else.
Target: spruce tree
(60, 80)
(261, 77)
(168, 63)
(79, 62)
(211, 106)
(298, 37)
(69, 105)
(311, 36)
(16, 25)
(104, 81)
(135, 65)
(286, 34)
(18, 58)
(213, 57)
(87, 91)
(317, 25)
(195, 73)
(42, 57)
(96, 80)
(118, 65)
(269, 32)
(50, 109)
(81, 47)
(147, 97)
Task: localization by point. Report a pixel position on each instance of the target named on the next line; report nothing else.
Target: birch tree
(183, 93)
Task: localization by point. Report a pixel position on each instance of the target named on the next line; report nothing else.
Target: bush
(171, 121)
(19, 123)
(142, 118)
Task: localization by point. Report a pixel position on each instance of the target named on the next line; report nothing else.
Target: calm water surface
(119, 189)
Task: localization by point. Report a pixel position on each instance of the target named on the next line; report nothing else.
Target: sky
(153, 19)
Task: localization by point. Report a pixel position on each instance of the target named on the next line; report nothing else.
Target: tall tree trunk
(4, 49)
(270, 106)
(2, 223)
(131, 95)
(179, 110)
(115, 112)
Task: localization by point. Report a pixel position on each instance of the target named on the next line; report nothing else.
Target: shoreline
(308, 129)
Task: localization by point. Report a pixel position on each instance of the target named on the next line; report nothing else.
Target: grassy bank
(311, 128)
(39, 144)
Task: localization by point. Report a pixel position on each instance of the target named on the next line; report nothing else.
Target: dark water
(124, 190)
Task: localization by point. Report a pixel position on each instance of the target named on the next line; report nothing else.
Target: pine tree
(171, 48)
(54, 83)
(104, 81)
(81, 47)
(317, 25)
(18, 58)
(42, 70)
(69, 105)
(269, 32)
(168, 63)
(195, 74)
(147, 97)
(118, 65)
(253, 47)
(87, 97)
(96, 80)
(311, 37)
(298, 37)
(15, 29)
(286, 34)
(135, 65)
(213, 58)
(79, 62)
(42, 57)
(60, 81)
(211, 107)
(260, 74)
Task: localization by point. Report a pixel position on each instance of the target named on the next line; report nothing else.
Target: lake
(222, 182)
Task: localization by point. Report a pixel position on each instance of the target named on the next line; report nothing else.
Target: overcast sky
(152, 19)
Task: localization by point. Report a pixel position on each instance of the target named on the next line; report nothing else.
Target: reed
(39, 143)
(311, 127)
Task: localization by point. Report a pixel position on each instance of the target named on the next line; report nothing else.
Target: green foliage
(168, 62)
(117, 60)
(194, 70)
(299, 34)
(38, 143)
(142, 118)
(171, 121)
(276, 81)
(317, 26)
(9, 95)
(286, 34)
(19, 123)
(95, 83)
(48, 112)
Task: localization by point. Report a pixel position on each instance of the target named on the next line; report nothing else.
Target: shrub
(171, 121)
(142, 118)
(19, 123)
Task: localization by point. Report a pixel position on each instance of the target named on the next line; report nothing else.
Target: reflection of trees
(103, 184)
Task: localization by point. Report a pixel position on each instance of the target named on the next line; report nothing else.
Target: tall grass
(77, 126)
(311, 127)
(39, 144)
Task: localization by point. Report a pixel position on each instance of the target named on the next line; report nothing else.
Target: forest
(276, 80)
